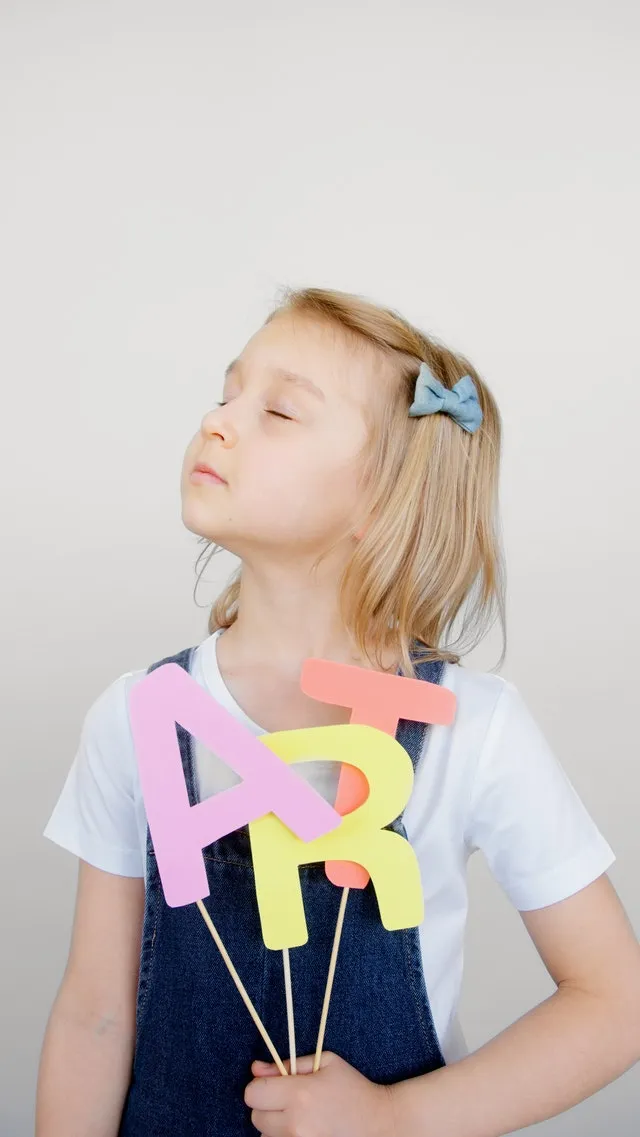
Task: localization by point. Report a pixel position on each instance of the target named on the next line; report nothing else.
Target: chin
(201, 523)
(197, 519)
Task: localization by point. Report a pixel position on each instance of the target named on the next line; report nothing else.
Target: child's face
(289, 451)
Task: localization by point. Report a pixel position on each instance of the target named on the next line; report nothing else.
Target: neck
(288, 613)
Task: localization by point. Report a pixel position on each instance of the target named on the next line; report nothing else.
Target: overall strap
(184, 659)
(412, 735)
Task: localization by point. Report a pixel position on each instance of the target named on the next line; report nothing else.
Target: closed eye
(276, 414)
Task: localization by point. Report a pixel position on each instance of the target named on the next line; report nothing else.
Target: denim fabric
(195, 1040)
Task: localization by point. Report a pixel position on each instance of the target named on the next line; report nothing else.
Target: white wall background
(165, 167)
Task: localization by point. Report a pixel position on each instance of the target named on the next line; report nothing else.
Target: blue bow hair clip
(461, 402)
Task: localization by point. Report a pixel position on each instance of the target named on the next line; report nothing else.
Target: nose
(216, 424)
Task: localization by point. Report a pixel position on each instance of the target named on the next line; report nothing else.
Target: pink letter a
(180, 831)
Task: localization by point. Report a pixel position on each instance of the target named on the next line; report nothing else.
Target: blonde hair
(431, 554)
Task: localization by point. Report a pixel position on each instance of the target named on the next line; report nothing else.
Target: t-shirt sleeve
(538, 838)
(95, 815)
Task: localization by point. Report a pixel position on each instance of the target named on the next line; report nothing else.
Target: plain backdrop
(166, 167)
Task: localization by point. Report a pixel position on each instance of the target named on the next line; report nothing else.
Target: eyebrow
(282, 373)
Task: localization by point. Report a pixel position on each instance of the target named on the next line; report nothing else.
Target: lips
(203, 472)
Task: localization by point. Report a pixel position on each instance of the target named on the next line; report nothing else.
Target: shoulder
(97, 815)
(108, 715)
(478, 696)
(494, 710)
(501, 735)
(489, 724)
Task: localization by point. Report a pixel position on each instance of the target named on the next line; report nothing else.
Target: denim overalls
(195, 1040)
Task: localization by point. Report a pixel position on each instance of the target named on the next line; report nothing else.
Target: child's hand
(337, 1101)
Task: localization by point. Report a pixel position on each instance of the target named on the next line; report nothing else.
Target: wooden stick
(330, 978)
(290, 1019)
(241, 988)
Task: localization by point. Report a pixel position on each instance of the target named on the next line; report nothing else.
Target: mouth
(204, 474)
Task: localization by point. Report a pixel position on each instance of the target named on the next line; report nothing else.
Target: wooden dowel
(330, 978)
(240, 985)
(290, 1017)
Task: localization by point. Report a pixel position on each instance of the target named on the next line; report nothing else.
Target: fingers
(270, 1124)
(268, 1069)
(268, 1094)
(304, 1065)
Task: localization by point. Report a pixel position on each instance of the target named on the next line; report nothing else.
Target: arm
(578, 1040)
(571, 1045)
(86, 1058)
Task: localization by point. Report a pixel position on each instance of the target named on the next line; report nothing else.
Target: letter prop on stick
(377, 699)
(278, 853)
(179, 830)
(362, 838)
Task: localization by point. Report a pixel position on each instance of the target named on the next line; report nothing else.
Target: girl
(352, 467)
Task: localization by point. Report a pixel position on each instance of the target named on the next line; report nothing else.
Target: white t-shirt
(488, 781)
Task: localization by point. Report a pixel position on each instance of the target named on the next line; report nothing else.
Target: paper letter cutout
(181, 831)
(389, 858)
(377, 699)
